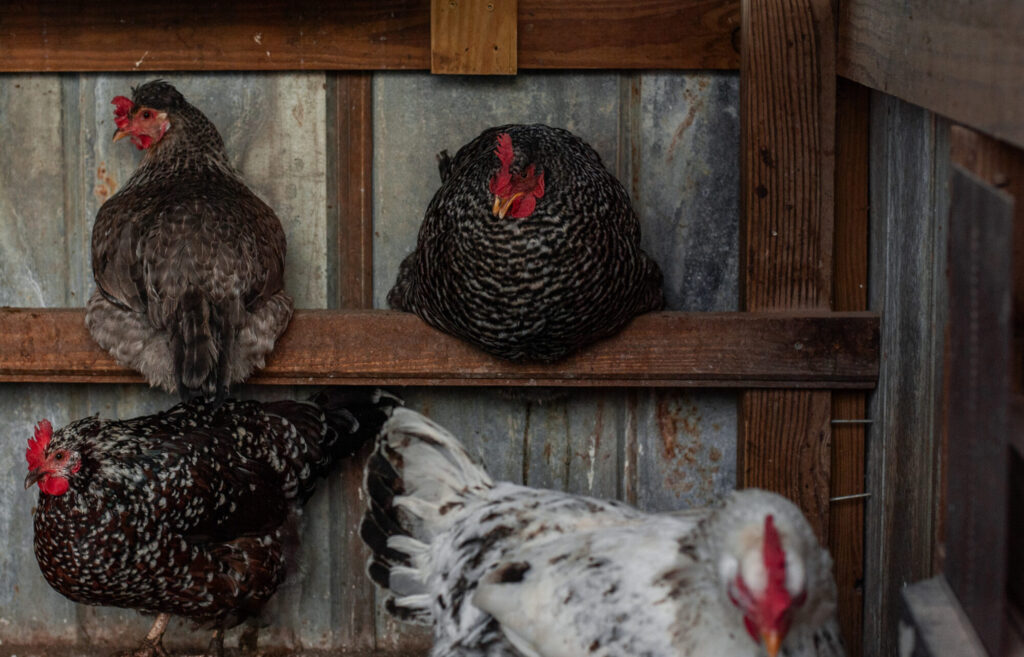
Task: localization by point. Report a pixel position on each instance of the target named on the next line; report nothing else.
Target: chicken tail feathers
(196, 346)
(416, 481)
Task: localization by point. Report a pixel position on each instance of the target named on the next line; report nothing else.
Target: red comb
(776, 596)
(504, 150)
(501, 183)
(37, 446)
(122, 108)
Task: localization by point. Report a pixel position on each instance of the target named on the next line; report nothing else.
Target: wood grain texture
(961, 60)
(470, 37)
(787, 106)
(813, 350)
(352, 140)
(64, 35)
(794, 454)
(980, 227)
(909, 215)
(850, 280)
(1002, 166)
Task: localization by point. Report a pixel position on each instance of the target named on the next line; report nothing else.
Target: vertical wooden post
(787, 114)
(353, 143)
(350, 167)
(846, 524)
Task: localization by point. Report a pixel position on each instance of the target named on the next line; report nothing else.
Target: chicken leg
(152, 645)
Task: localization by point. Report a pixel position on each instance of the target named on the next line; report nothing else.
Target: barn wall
(671, 137)
(908, 286)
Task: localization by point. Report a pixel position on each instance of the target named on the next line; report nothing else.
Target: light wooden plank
(813, 350)
(787, 107)
(961, 60)
(473, 37)
(850, 279)
(64, 35)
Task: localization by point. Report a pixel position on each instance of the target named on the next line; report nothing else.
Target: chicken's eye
(146, 114)
(60, 456)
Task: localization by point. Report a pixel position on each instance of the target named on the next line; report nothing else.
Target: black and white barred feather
(189, 512)
(502, 570)
(538, 287)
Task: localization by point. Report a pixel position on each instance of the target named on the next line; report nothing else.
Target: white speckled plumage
(499, 569)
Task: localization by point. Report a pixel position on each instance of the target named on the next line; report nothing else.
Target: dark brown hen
(188, 261)
(187, 512)
(530, 249)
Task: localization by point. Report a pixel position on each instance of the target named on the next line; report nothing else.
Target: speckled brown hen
(530, 249)
(187, 512)
(188, 261)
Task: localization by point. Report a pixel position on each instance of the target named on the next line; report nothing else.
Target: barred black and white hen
(188, 262)
(502, 570)
(530, 249)
(191, 511)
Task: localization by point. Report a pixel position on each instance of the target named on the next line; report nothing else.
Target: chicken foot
(152, 645)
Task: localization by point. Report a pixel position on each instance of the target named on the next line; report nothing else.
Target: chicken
(191, 511)
(530, 249)
(500, 569)
(188, 261)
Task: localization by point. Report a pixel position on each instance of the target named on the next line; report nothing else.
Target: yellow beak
(120, 134)
(772, 642)
(501, 206)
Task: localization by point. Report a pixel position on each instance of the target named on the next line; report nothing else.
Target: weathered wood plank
(933, 623)
(362, 35)
(850, 281)
(909, 213)
(979, 334)
(475, 38)
(787, 107)
(813, 350)
(351, 167)
(960, 60)
(1001, 166)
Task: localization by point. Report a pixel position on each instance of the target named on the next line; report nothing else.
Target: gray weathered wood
(934, 624)
(907, 285)
(980, 237)
(663, 449)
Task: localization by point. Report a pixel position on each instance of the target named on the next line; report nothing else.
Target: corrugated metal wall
(671, 137)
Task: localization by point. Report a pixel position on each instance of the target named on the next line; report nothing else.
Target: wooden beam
(961, 60)
(787, 118)
(850, 292)
(351, 134)
(273, 35)
(812, 350)
(473, 37)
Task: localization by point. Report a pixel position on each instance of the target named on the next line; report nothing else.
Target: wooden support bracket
(474, 37)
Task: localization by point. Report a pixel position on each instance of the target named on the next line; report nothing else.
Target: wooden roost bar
(804, 346)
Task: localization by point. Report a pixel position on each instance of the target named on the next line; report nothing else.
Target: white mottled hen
(500, 569)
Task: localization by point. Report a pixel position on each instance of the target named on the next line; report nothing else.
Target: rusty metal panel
(671, 137)
(59, 165)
